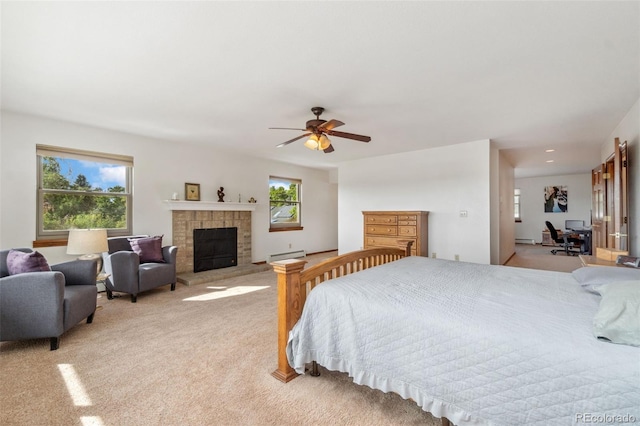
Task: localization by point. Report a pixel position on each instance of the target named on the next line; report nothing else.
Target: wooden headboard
(294, 283)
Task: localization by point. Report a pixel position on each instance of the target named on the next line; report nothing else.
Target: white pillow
(593, 277)
(618, 317)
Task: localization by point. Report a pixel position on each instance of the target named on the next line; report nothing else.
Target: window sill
(49, 243)
(290, 228)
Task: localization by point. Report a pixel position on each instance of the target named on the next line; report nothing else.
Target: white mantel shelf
(209, 205)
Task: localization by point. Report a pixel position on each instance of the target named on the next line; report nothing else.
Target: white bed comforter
(478, 344)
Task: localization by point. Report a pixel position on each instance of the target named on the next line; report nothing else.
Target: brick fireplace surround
(190, 215)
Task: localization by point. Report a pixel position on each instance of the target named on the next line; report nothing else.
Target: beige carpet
(200, 355)
(540, 257)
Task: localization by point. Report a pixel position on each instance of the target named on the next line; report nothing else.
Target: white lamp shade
(87, 241)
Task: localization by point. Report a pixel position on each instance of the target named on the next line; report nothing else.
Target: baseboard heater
(526, 241)
(289, 255)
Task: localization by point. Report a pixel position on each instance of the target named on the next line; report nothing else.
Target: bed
(470, 343)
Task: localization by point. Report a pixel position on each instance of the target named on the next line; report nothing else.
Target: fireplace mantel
(209, 205)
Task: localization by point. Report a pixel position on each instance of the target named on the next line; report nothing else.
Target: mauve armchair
(35, 305)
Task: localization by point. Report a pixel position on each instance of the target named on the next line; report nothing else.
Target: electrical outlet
(433, 255)
(457, 257)
(289, 245)
(464, 213)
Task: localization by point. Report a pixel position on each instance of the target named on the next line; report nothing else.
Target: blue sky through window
(99, 175)
(279, 183)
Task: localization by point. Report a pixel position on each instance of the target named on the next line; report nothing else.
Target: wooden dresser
(388, 228)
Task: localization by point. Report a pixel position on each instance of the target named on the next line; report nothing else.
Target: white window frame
(99, 157)
(517, 207)
(287, 226)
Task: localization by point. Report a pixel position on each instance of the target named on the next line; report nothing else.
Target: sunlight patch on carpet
(91, 421)
(74, 385)
(222, 292)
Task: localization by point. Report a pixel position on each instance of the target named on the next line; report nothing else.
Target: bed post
(290, 303)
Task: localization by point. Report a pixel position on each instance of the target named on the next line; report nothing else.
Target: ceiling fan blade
(292, 140)
(286, 128)
(345, 135)
(331, 124)
(328, 149)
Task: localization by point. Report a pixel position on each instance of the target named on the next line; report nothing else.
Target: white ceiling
(412, 75)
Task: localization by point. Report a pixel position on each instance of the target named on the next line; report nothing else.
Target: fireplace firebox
(214, 248)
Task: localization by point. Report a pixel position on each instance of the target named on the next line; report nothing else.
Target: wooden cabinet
(389, 228)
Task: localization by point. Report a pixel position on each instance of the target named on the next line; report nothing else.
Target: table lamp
(89, 243)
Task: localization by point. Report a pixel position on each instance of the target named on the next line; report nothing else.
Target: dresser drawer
(381, 229)
(410, 217)
(381, 220)
(386, 242)
(407, 223)
(408, 231)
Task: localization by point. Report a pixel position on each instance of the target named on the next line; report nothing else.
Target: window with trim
(516, 204)
(284, 204)
(81, 190)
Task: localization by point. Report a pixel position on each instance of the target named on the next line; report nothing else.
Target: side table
(101, 279)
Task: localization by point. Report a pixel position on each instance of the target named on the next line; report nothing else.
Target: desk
(583, 234)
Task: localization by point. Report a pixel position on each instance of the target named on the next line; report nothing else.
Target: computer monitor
(573, 224)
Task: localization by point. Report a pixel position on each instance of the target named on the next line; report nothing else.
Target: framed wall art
(192, 191)
(555, 199)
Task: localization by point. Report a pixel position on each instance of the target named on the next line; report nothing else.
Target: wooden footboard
(294, 283)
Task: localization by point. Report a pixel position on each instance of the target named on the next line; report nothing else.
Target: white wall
(629, 130)
(532, 203)
(160, 168)
(442, 180)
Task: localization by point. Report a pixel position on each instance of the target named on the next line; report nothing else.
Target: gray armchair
(128, 275)
(36, 305)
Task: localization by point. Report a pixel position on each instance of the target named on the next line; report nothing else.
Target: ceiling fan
(317, 130)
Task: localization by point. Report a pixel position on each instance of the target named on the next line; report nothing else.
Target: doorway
(610, 201)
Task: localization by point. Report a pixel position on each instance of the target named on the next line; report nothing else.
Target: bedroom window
(516, 204)
(284, 204)
(82, 189)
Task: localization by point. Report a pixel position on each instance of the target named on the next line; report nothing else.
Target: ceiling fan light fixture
(324, 142)
(312, 142)
(317, 130)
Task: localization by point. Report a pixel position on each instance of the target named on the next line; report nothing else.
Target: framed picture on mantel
(192, 191)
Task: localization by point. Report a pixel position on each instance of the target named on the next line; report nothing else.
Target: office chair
(564, 241)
